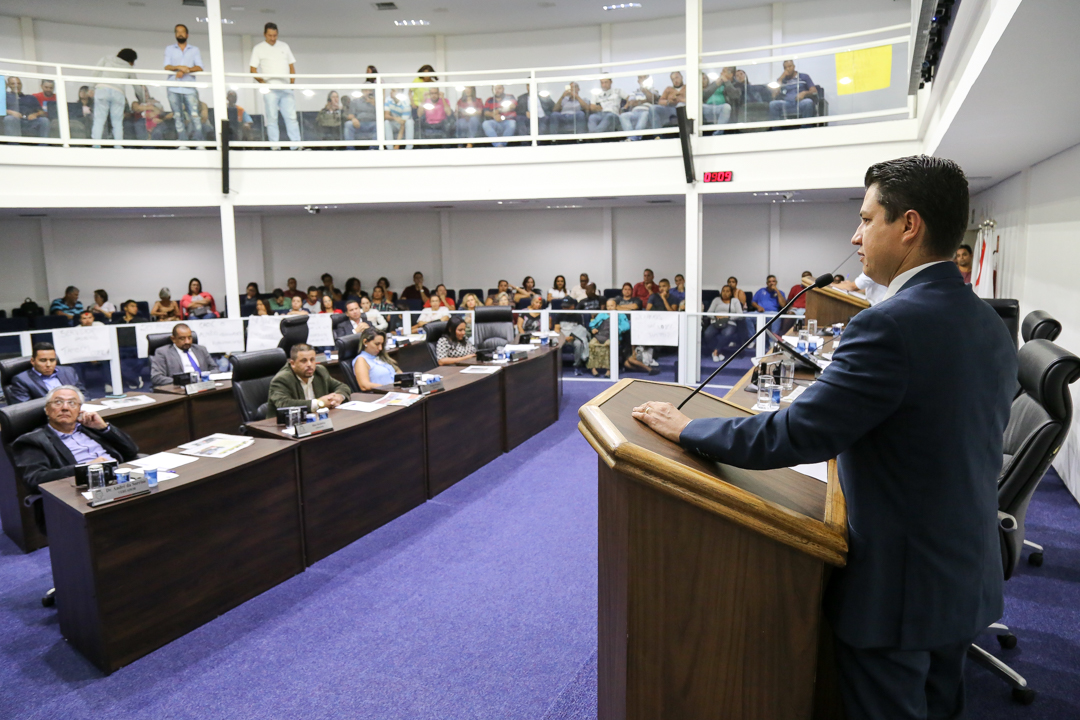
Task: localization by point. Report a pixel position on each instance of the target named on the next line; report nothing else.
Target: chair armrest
(1006, 522)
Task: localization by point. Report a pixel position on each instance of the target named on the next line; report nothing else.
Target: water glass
(787, 374)
(811, 327)
(95, 476)
(803, 339)
(768, 393)
(151, 475)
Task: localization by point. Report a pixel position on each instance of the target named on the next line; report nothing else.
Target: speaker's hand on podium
(662, 418)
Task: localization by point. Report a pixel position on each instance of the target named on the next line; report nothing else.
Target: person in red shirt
(646, 287)
(796, 289)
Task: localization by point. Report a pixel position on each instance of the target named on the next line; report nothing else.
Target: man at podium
(918, 450)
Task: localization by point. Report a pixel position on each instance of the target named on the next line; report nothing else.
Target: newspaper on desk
(218, 445)
(480, 370)
(129, 401)
(397, 399)
(359, 406)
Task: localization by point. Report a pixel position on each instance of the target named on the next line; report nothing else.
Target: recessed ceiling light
(400, 23)
(622, 6)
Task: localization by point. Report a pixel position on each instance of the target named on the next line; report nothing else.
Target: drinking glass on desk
(804, 337)
(811, 327)
(768, 394)
(787, 374)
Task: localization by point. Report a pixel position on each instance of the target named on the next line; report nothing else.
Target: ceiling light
(773, 85)
(647, 82)
(400, 23)
(459, 88)
(470, 110)
(845, 81)
(622, 6)
(545, 93)
(263, 89)
(713, 76)
(429, 106)
(308, 92)
(356, 93)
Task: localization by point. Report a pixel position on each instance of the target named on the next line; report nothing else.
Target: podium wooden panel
(711, 576)
(829, 306)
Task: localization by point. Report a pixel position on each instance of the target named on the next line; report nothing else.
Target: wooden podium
(828, 305)
(711, 577)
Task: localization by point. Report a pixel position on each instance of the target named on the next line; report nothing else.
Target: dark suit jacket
(165, 363)
(28, 386)
(914, 407)
(344, 328)
(285, 390)
(41, 456)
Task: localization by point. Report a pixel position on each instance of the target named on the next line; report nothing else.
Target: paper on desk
(480, 369)
(397, 399)
(221, 376)
(129, 401)
(790, 397)
(163, 460)
(91, 407)
(517, 348)
(819, 471)
(359, 406)
(499, 361)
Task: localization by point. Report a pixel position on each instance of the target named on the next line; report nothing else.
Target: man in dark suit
(179, 357)
(304, 383)
(44, 375)
(71, 437)
(918, 450)
(355, 323)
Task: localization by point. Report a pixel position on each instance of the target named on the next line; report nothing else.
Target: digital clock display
(722, 176)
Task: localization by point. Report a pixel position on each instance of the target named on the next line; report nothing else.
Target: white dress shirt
(185, 362)
(899, 280)
(308, 386)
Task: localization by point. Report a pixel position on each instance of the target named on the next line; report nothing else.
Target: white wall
(10, 38)
(816, 237)
(1038, 219)
(22, 273)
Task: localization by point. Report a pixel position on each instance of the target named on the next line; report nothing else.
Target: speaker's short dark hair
(128, 55)
(183, 26)
(269, 26)
(299, 348)
(38, 347)
(935, 188)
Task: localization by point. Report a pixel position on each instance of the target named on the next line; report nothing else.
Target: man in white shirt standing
(184, 60)
(606, 109)
(274, 58)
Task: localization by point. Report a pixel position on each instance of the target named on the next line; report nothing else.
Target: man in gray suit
(179, 357)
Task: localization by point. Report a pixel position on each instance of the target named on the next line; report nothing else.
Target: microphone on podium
(820, 282)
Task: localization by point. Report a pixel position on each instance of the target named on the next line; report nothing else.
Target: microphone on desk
(820, 282)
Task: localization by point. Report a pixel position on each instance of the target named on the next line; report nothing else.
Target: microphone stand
(817, 284)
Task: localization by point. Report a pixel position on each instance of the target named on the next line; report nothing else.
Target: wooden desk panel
(157, 427)
(134, 575)
(829, 306)
(464, 426)
(367, 472)
(213, 411)
(531, 396)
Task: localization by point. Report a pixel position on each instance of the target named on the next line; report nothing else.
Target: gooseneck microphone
(820, 282)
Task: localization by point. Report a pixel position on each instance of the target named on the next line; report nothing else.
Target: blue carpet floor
(480, 604)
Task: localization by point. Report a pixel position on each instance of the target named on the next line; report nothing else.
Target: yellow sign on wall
(863, 70)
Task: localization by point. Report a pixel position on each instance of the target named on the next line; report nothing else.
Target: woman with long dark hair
(454, 346)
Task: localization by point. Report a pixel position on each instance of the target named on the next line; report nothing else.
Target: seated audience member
(674, 96)
(130, 310)
(529, 322)
(768, 299)
(81, 115)
(380, 301)
(356, 323)
(628, 301)
(304, 383)
(360, 117)
(962, 259)
(86, 319)
(454, 345)
(353, 290)
(69, 305)
(44, 375)
(576, 334)
(581, 290)
(502, 288)
(262, 308)
(197, 304)
(569, 115)
(715, 108)
(592, 300)
(524, 294)
(416, 291)
(558, 289)
(391, 296)
(430, 314)
(440, 290)
(418, 91)
(397, 113)
(646, 287)
(606, 108)
(312, 306)
(25, 116)
(373, 367)
(799, 308)
(637, 115)
(70, 437)
(101, 305)
(661, 300)
(292, 292)
(241, 124)
(544, 107)
(165, 308)
(742, 92)
(328, 121)
(436, 117)
(470, 302)
(181, 356)
(503, 300)
(247, 305)
(328, 287)
(47, 100)
(678, 293)
(372, 316)
(326, 306)
(838, 279)
(500, 111)
(470, 113)
(600, 342)
(722, 332)
(279, 304)
(296, 306)
(873, 291)
(795, 95)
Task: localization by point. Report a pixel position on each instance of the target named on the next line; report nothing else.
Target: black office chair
(434, 330)
(251, 376)
(493, 327)
(8, 370)
(1040, 325)
(294, 330)
(415, 305)
(475, 291)
(338, 319)
(1009, 312)
(14, 324)
(156, 340)
(348, 347)
(49, 322)
(1039, 422)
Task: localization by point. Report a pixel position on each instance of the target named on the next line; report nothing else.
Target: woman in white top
(722, 332)
(437, 311)
(372, 316)
(558, 289)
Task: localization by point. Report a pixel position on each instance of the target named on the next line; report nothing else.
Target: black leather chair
(251, 376)
(294, 330)
(1039, 423)
(50, 322)
(156, 340)
(475, 291)
(337, 320)
(493, 327)
(1009, 312)
(434, 330)
(8, 370)
(14, 324)
(348, 347)
(1040, 325)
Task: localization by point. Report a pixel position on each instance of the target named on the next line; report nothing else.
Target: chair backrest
(251, 376)
(416, 357)
(414, 304)
(475, 291)
(156, 340)
(294, 330)
(17, 420)
(8, 370)
(1009, 312)
(494, 327)
(707, 296)
(49, 322)
(338, 319)
(612, 292)
(1038, 424)
(434, 331)
(1040, 325)
(348, 347)
(14, 324)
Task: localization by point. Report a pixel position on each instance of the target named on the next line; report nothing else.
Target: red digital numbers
(722, 176)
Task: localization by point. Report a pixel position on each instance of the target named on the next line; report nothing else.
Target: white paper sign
(319, 331)
(264, 332)
(81, 344)
(219, 336)
(654, 328)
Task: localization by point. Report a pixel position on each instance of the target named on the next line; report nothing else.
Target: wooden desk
(134, 575)
(156, 427)
(213, 411)
(367, 472)
(829, 306)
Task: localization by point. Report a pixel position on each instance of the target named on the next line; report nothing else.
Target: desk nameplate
(195, 388)
(109, 493)
(318, 427)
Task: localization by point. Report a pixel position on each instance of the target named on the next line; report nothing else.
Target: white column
(777, 33)
(248, 98)
(444, 246)
(605, 45)
(440, 54)
(29, 43)
(692, 77)
(774, 238)
(228, 251)
(690, 351)
(607, 250)
(217, 69)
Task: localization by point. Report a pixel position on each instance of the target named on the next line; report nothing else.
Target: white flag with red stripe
(983, 264)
